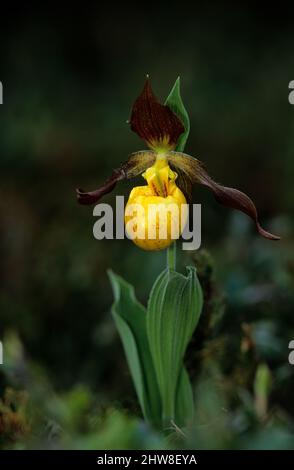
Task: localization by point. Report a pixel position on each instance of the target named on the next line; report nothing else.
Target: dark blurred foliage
(70, 76)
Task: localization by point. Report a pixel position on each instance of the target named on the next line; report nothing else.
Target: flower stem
(171, 254)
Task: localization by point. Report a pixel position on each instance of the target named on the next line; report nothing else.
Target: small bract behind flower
(156, 214)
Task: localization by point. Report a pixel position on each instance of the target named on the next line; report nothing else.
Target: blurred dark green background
(70, 76)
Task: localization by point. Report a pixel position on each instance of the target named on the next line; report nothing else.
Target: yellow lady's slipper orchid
(161, 129)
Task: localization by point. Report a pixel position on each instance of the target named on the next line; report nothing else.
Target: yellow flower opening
(155, 214)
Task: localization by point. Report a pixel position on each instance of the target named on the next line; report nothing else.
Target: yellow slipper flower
(169, 175)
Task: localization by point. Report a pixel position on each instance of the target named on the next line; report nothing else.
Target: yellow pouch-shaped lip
(154, 214)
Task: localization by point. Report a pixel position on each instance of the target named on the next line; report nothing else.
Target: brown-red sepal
(155, 122)
(193, 171)
(135, 165)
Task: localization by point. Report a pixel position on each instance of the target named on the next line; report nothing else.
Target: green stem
(171, 254)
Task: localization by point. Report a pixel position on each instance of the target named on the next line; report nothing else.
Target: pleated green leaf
(184, 407)
(130, 318)
(173, 312)
(175, 103)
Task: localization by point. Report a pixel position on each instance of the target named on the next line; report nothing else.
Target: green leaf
(130, 318)
(174, 309)
(262, 386)
(175, 103)
(184, 399)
